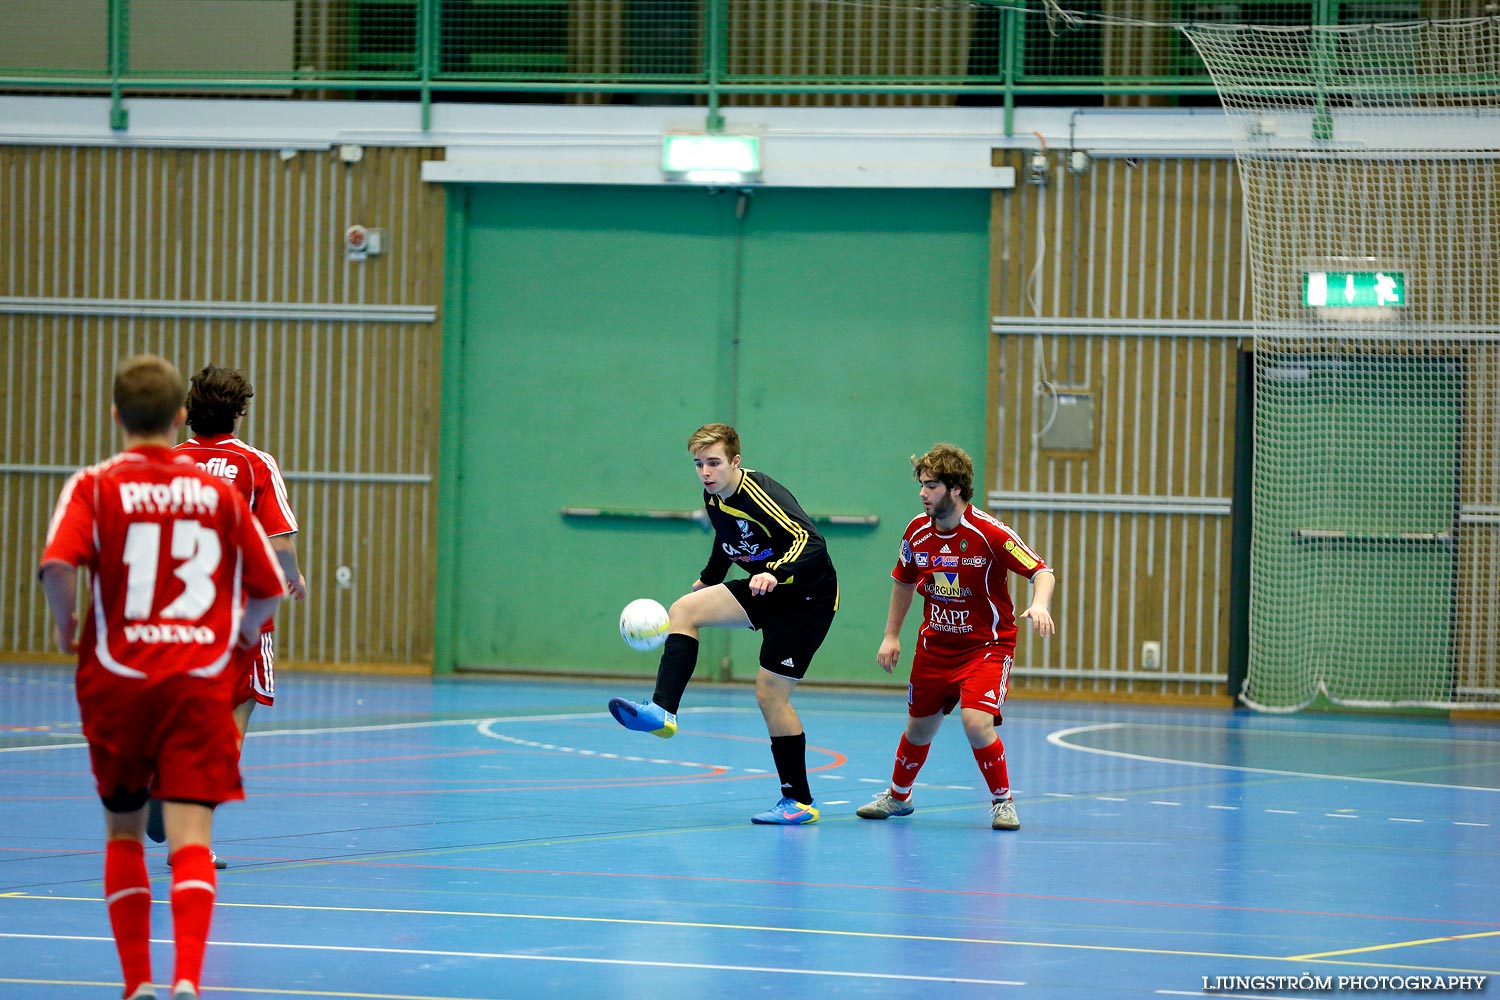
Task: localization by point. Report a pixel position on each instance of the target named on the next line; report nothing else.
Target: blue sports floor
(495, 838)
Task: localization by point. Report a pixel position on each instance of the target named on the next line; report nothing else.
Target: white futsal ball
(643, 624)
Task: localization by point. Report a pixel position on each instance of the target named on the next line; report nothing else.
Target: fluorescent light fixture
(711, 159)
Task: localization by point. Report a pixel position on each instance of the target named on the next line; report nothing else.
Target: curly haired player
(958, 557)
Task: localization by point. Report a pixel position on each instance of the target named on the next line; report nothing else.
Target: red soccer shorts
(256, 671)
(979, 680)
(175, 736)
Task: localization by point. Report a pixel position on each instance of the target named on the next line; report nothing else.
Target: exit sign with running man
(1335, 289)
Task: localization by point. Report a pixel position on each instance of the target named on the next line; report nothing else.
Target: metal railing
(709, 52)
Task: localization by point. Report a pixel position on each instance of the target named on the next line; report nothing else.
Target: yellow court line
(811, 931)
(1398, 944)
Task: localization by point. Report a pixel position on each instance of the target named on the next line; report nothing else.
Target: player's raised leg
(704, 607)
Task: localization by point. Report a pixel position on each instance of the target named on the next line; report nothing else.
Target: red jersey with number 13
(173, 555)
(961, 576)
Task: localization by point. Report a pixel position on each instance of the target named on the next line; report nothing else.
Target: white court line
(1059, 738)
(431, 724)
(486, 729)
(390, 726)
(518, 957)
(1314, 734)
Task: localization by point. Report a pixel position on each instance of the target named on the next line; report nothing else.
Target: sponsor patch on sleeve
(1026, 559)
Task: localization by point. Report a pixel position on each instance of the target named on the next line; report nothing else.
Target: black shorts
(792, 624)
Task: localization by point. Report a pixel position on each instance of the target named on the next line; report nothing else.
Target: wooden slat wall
(1150, 239)
(335, 400)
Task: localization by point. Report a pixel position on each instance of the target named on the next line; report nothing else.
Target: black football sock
(679, 657)
(790, 753)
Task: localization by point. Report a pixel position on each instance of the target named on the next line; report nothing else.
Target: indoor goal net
(1370, 162)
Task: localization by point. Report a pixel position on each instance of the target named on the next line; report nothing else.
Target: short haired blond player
(181, 575)
(959, 558)
(790, 597)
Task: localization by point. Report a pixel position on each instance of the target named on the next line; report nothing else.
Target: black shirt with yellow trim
(762, 527)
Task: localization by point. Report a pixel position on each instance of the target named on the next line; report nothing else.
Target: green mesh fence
(1029, 51)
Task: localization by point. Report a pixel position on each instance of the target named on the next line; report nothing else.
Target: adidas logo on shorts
(788, 662)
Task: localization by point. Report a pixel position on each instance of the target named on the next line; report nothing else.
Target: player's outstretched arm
(890, 646)
(60, 584)
(1041, 598)
(286, 554)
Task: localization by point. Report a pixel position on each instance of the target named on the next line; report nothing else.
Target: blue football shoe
(787, 812)
(644, 717)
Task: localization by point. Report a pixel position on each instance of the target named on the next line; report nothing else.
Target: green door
(591, 329)
(1353, 557)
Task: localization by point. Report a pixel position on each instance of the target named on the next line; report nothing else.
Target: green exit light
(1336, 289)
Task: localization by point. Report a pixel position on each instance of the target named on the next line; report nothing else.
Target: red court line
(932, 892)
(485, 751)
(718, 775)
(838, 759)
(715, 773)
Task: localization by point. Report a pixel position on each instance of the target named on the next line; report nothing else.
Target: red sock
(992, 765)
(909, 760)
(127, 895)
(193, 888)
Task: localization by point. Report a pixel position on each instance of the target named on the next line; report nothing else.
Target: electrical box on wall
(362, 241)
(1069, 422)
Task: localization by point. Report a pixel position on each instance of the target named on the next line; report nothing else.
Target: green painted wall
(591, 329)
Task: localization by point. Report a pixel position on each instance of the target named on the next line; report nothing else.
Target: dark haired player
(217, 399)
